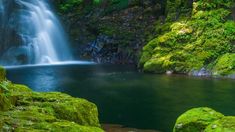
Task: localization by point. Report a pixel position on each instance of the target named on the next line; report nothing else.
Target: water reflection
(126, 97)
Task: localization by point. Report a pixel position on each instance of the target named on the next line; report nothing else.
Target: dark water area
(127, 97)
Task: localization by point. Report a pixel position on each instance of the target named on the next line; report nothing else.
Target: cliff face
(182, 36)
(110, 31)
(8, 34)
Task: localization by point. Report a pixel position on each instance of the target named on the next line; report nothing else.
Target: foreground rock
(196, 120)
(24, 110)
(226, 124)
(204, 120)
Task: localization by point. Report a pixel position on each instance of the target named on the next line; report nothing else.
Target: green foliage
(79, 5)
(192, 43)
(211, 4)
(69, 5)
(116, 5)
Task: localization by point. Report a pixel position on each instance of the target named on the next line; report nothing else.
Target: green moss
(80, 111)
(226, 124)
(5, 103)
(193, 41)
(72, 127)
(177, 9)
(32, 119)
(225, 65)
(2, 74)
(24, 110)
(84, 6)
(196, 120)
(206, 120)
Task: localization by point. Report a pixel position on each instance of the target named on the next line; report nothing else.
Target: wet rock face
(12, 52)
(111, 32)
(105, 49)
(6, 10)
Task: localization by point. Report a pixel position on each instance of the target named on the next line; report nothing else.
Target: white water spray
(42, 38)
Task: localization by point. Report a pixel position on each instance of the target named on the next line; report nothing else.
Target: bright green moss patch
(204, 120)
(226, 124)
(225, 65)
(191, 42)
(196, 120)
(24, 110)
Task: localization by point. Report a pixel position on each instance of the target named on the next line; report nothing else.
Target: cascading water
(31, 33)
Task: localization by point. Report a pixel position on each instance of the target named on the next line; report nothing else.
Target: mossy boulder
(21, 109)
(225, 65)
(226, 124)
(39, 119)
(49, 111)
(196, 119)
(194, 35)
(63, 106)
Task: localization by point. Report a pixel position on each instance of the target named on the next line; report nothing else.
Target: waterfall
(31, 33)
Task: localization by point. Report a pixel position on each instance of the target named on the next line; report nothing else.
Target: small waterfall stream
(31, 33)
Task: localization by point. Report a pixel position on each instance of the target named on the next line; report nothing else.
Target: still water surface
(127, 97)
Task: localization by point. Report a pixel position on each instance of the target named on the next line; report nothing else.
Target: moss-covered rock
(204, 120)
(193, 37)
(226, 124)
(196, 120)
(225, 65)
(24, 110)
(39, 119)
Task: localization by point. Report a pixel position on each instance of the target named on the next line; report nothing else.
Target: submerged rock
(196, 120)
(203, 72)
(24, 110)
